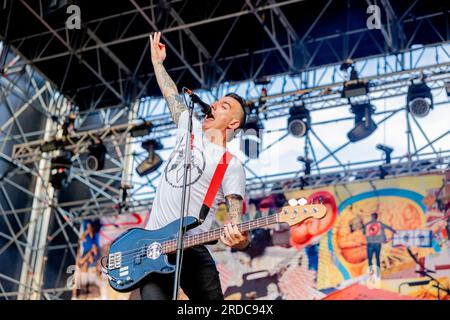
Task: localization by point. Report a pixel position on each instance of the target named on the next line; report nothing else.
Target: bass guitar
(138, 253)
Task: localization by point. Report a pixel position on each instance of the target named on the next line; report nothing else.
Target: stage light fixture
(354, 87)
(153, 161)
(298, 121)
(97, 153)
(251, 139)
(51, 145)
(419, 99)
(60, 170)
(364, 124)
(141, 130)
(387, 151)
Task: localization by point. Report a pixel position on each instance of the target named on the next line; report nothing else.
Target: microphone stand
(180, 239)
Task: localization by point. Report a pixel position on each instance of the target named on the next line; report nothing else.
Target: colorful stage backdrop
(317, 258)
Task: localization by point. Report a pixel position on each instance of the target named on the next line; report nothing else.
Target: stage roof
(107, 62)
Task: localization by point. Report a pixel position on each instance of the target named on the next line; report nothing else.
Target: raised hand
(157, 49)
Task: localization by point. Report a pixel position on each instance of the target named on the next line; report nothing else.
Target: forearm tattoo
(234, 205)
(170, 92)
(176, 106)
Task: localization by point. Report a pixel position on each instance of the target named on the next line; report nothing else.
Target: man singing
(199, 276)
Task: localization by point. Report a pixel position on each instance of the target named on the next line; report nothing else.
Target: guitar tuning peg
(293, 202)
(302, 201)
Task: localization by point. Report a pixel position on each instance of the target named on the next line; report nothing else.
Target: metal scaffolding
(39, 222)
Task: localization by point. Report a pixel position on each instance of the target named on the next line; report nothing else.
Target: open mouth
(209, 117)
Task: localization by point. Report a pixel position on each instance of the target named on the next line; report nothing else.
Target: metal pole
(33, 265)
(184, 205)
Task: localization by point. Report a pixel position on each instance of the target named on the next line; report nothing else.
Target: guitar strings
(135, 252)
(166, 245)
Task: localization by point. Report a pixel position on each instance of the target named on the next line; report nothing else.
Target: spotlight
(51, 145)
(298, 121)
(364, 125)
(354, 87)
(250, 140)
(153, 161)
(387, 151)
(96, 158)
(141, 130)
(60, 171)
(419, 99)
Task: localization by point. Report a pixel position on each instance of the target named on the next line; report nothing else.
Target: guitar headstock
(295, 214)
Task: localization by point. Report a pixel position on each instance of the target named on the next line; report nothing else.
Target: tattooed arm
(166, 84)
(232, 237)
(234, 205)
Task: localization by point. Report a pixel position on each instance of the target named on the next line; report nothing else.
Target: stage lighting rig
(387, 152)
(60, 170)
(251, 139)
(97, 153)
(353, 87)
(153, 161)
(364, 124)
(419, 99)
(68, 126)
(141, 130)
(299, 120)
(52, 145)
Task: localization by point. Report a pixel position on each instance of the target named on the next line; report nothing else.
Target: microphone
(206, 108)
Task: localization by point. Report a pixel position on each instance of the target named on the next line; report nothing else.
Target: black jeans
(199, 278)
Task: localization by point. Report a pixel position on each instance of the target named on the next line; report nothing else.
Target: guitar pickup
(142, 253)
(114, 260)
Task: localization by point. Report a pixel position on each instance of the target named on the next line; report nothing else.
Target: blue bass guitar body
(138, 253)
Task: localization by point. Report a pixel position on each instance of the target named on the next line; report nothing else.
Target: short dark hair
(374, 215)
(243, 104)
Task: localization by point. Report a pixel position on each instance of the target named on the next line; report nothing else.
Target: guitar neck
(209, 236)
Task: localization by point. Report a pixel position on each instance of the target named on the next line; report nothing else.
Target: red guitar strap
(216, 181)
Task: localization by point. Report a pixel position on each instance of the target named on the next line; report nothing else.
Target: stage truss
(28, 232)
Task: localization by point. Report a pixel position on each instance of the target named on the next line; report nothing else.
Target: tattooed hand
(233, 238)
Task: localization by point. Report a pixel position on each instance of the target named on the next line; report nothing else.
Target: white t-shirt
(205, 157)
